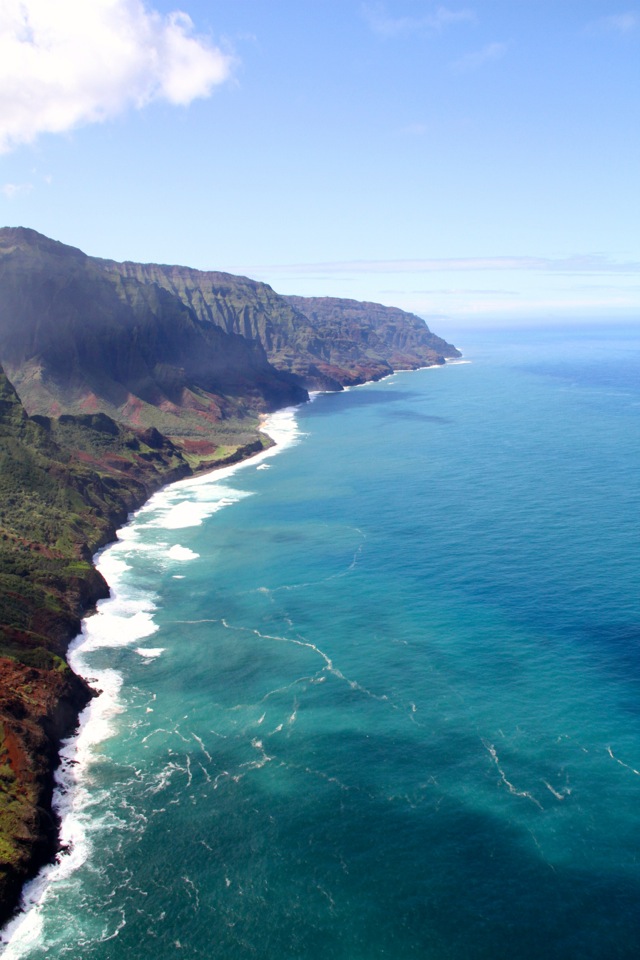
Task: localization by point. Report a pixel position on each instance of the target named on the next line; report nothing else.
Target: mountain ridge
(294, 331)
(76, 339)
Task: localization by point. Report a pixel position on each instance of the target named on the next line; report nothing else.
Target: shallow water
(375, 695)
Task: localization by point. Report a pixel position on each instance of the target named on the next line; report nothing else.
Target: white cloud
(471, 61)
(70, 62)
(616, 23)
(12, 190)
(388, 26)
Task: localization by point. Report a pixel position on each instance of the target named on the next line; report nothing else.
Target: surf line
(131, 620)
(622, 764)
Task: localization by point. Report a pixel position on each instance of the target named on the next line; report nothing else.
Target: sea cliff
(117, 379)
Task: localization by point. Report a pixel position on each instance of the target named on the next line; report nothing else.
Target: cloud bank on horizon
(582, 263)
(74, 62)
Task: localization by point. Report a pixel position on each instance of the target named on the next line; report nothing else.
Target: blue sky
(474, 162)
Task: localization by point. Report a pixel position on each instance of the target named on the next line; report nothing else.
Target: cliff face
(236, 305)
(75, 338)
(358, 341)
(181, 349)
(326, 342)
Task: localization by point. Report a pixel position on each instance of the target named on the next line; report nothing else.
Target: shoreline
(59, 849)
(91, 726)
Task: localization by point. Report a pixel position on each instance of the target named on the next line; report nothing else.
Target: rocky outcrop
(363, 341)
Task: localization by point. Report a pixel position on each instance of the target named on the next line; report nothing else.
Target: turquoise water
(376, 695)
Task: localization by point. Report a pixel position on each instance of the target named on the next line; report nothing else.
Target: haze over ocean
(375, 695)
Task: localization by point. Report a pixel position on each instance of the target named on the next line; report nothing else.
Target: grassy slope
(65, 486)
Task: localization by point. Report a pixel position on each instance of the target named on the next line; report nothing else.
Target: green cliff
(65, 485)
(75, 338)
(358, 341)
(326, 342)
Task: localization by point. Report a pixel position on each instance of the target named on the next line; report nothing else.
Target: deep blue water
(377, 695)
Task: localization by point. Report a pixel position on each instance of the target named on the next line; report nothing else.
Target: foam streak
(622, 764)
(517, 793)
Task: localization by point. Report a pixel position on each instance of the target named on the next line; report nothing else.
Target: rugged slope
(365, 341)
(65, 485)
(236, 305)
(75, 338)
(327, 342)
(182, 349)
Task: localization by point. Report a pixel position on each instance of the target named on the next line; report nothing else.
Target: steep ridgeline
(238, 305)
(76, 338)
(327, 342)
(178, 349)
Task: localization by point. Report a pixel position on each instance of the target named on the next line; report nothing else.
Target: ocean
(376, 693)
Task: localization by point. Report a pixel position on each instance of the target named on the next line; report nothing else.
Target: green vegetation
(66, 484)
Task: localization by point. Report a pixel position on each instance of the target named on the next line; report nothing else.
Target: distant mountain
(358, 341)
(327, 342)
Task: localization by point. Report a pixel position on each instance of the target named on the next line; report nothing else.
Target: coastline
(376, 519)
(28, 892)
(90, 724)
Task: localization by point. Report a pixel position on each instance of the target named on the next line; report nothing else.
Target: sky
(473, 162)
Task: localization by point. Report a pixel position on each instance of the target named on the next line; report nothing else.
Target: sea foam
(122, 620)
(180, 553)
